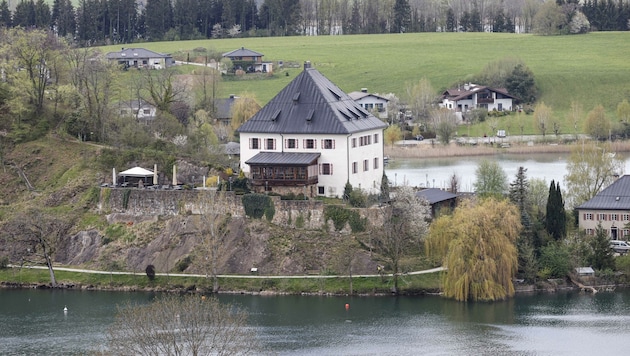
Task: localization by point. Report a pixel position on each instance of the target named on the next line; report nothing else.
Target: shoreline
(415, 149)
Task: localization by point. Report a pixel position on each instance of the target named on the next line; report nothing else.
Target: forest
(107, 22)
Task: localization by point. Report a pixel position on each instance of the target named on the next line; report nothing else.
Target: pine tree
(601, 257)
(555, 220)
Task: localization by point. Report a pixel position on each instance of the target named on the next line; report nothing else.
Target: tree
(181, 325)
(420, 98)
(575, 115)
(444, 124)
(549, 20)
(597, 125)
(478, 245)
(556, 218)
(623, 111)
(601, 257)
(161, 88)
(403, 230)
(402, 16)
(5, 14)
(490, 179)
(392, 134)
(243, 109)
(590, 168)
(519, 190)
(579, 23)
(542, 118)
(521, 84)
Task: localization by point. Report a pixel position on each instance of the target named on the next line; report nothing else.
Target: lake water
(437, 172)
(32, 322)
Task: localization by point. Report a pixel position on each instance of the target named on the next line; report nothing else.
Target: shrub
(257, 205)
(150, 270)
(357, 199)
(556, 259)
(4, 262)
(340, 216)
(183, 264)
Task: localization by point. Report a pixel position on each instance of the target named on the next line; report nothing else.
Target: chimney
(307, 64)
(363, 90)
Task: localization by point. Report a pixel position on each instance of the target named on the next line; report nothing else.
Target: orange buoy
(347, 306)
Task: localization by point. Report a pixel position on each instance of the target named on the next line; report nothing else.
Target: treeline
(98, 22)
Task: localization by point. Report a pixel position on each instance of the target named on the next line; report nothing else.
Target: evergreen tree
(42, 15)
(402, 16)
(451, 25)
(355, 19)
(555, 219)
(384, 188)
(521, 84)
(5, 14)
(601, 257)
(159, 19)
(24, 14)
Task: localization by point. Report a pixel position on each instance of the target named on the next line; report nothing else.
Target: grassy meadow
(593, 68)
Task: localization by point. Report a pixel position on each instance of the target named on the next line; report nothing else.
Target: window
(355, 167)
(379, 107)
(325, 169)
(589, 231)
(321, 190)
(310, 143)
(375, 138)
(626, 232)
(271, 143)
(625, 217)
(328, 144)
(366, 165)
(146, 111)
(601, 216)
(354, 142)
(614, 217)
(375, 162)
(291, 143)
(254, 143)
(588, 216)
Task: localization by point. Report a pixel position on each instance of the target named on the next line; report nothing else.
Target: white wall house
(473, 96)
(610, 208)
(141, 58)
(371, 102)
(312, 138)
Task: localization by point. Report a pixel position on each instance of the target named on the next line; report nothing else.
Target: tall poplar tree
(402, 16)
(556, 218)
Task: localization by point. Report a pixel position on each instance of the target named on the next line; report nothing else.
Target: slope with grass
(593, 68)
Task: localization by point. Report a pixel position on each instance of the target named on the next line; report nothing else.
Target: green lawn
(592, 68)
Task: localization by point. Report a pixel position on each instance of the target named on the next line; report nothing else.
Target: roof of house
(358, 95)
(435, 195)
(232, 148)
(459, 93)
(126, 53)
(311, 104)
(284, 158)
(614, 197)
(223, 107)
(242, 52)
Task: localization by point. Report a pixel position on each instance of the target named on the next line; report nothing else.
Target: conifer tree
(555, 220)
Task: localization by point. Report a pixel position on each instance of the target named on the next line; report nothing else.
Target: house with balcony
(140, 58)
(473, 96)
(611, 208)
(373, 103)
(248, 60)
(311, 139)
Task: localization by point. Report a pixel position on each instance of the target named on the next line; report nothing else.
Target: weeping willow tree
(477, 243)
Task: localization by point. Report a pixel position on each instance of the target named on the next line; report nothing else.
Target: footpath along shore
(427, 149)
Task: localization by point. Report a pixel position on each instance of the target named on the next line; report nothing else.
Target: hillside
(64, 176)
(592, 68)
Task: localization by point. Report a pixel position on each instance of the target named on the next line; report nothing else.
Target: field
(592, 69)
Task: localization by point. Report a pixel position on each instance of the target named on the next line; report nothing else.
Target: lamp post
(230, 179)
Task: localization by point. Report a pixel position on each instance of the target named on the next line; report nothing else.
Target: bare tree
(182, 325)
(403, 230)
(420, 98)
(347, 253)
(161, 88)
(444, 124)
(542, 116)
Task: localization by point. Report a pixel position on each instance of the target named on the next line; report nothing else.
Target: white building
(610, 208)
(371, 102)
(473, 96)
(312, 138)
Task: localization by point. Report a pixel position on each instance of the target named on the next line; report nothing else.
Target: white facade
(613, 222)
(356, 158)
(373, 103)
(473, 96)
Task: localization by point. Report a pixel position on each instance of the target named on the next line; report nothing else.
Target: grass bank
(408, 284)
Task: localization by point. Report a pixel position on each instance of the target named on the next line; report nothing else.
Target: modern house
(248, 60)
(611, 208)
(141, 58)
(371, 102)
(312, 138)
(138, 109)
(473, 96)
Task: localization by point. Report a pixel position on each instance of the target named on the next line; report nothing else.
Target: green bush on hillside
(257, 205)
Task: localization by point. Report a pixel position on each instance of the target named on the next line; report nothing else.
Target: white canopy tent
(135, 175)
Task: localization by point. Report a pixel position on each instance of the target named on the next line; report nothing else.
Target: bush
(150, 270)
(183, 264)
(555, 258)
(257, 205)
(4, 262)
(340, 216)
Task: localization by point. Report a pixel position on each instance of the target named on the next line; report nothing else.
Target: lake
(32, 322)
(437, 172)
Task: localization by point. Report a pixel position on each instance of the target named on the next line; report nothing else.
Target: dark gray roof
(232, 148)
(284, 158)
(614, 197)
(223, 107)
(311, 104)
(357, 95)
(242, 52)
(127, 53)
(434, 195)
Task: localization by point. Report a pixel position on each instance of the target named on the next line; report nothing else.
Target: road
(252, 276)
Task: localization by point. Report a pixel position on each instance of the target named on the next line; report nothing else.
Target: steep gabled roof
(357, 95)
(242, 52)
(459, 94)
(127, 53)
(614, 197)
(311, 104)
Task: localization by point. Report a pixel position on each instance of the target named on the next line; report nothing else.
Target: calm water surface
(32, 322)
(437, 172)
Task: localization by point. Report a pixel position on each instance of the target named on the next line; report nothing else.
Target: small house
(140, 58)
